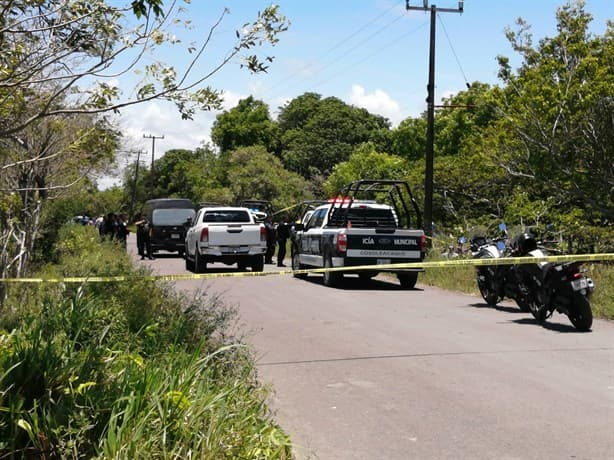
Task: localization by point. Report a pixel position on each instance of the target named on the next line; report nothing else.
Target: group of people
(276, 235)
(113, 227)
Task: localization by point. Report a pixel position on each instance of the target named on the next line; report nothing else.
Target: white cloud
(377, 102)
(159, 118)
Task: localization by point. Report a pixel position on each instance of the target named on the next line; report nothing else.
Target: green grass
(126, 371)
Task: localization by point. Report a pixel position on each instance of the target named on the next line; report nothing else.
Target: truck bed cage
(260, 205)
(395, 193)
(210, 204)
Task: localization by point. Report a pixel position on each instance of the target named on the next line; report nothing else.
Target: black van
(169, 219)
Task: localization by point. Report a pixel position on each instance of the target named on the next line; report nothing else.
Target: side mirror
(188, 222)
(299, 227)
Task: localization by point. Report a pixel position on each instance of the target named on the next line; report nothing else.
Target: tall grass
(130, 371)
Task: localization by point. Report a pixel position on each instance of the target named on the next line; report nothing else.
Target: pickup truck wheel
(258, 264)
(200, 266)
(408, 280)
(241, 266)
(296, 265)
(331, 279)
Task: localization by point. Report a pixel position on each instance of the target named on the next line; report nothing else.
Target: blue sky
(369, 53)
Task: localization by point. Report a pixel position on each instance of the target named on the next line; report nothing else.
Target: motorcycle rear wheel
(537, 309)
(581, 315)
(487, 288)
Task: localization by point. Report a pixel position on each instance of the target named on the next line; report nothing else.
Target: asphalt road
(376, 372)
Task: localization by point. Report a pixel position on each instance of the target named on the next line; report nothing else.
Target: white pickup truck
(225, 234)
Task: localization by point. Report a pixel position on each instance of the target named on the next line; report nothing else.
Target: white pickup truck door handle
(234, 230)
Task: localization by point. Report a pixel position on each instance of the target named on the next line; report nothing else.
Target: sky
(369, 53)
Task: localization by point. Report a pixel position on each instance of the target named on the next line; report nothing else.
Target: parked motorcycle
(550, 287)
(497, 281)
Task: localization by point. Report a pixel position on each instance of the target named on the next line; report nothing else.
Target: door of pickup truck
(309, 239)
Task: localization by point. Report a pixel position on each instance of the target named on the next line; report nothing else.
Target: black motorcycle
(496, 282)
(550, 287)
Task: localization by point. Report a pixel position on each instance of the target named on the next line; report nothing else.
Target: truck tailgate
(397, 244)
(234, 234)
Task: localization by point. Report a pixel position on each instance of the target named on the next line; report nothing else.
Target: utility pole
(153, 151)
(430, 117)
(136, 178)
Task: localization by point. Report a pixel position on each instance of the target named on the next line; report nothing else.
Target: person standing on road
(271, 240)
(143, 237)
(283, 233)
(141, 234)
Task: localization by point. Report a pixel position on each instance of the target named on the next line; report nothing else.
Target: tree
(557, 115)
(47, 159)
(254, 173)
(49, 48)
(199, 175)
(247, 124)
(316, 133)
(366, 163)
(461, 117)
(59, 64)
(409, 138)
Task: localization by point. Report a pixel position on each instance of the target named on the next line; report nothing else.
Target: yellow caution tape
(414, 266)
(286, 209)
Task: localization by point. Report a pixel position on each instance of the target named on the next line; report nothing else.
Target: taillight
(204, 235)
(262, 233)
(423, 243)
(576, 275)
(342, 242)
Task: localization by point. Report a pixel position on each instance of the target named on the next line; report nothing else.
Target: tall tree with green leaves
(554, 136)
(248, 124)
(366, 163)
(254, 173)
(317, 133)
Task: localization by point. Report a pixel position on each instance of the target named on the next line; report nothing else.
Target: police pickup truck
(225, 234)
(350, 232)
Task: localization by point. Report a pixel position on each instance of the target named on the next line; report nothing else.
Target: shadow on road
(503, 308)
(354, 283)
(556, 327)
(167, 255)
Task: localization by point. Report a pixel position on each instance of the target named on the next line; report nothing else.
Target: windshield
(227, 216)
(363, 216)
(172, 216)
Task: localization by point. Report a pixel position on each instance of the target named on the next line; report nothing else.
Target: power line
(453, 50)
(276, 87)
(369, 56)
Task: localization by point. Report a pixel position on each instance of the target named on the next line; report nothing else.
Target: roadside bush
(126, 370)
